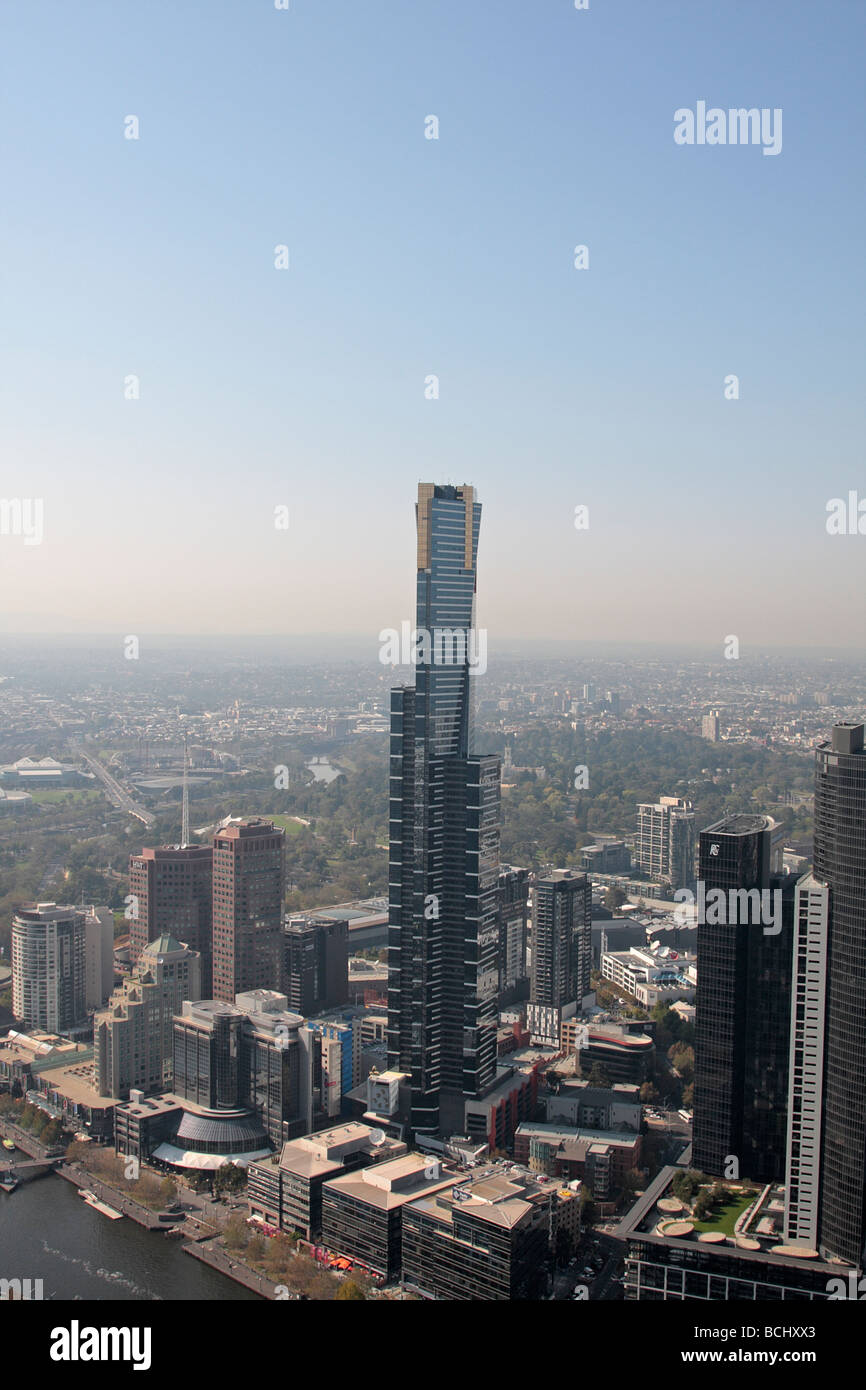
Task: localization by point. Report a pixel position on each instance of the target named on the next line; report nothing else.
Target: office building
(561, 952)
(668, 1259)
(622, 1051)
(485, 1238)
(286, 1189)
(665, 840)
(743, 1002)
(134, 1036)
(362, 1210)
(576, 1102)
(49, 980)
(255, 1054)
(443, 934)
(248, 887)
(606, 857)
(171, 888)
(315, 963)
(806, 1061)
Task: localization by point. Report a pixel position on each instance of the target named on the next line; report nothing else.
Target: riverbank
(212, 1254)
(199, 1236)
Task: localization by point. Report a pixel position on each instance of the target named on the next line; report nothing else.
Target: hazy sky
(409, 256)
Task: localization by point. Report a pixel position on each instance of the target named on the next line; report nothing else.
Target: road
(117, 794)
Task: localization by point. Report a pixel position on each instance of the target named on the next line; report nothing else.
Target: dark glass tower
(443, 968)
(840, 864)
(742, 1023)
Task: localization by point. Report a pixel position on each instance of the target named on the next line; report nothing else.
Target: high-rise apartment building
(743, 1004)
(443, 935)
(561, 952)
(171, 893)
(665, 840)
(49, 980)
(710, 726)
(249, 877)
(134, 1037)
(513, 932)
(98, 956)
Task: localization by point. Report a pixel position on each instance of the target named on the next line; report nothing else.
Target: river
(47, 1232)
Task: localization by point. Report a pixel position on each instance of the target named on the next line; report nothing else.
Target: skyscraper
(561, 952)
(133, 1038)
(513, 932)
(315, 963)
(249, 875)
(171, 890)
(806, 1062)
(443, 969)
(840, 865)
(743, 1001)
(48, 967)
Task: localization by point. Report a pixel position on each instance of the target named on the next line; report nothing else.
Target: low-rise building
(286, 1189)
(624, 1053)
(484, 1237)
(669, 1259)
(576, 1102)
(598, 1158)
(652, 975)
(362, 1211)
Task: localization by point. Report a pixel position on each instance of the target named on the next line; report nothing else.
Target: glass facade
(443, 938)
(743, 1009)
(840, 862)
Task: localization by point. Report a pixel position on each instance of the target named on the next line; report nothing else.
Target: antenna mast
(184, 825)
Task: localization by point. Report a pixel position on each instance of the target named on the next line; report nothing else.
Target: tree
(598, 1076)
(236, 1233)
(703, 1205)
(648, 1093)
(256, 1249)
(563, 1246)
(168, 1190)
(350, 1290)
(614, 898)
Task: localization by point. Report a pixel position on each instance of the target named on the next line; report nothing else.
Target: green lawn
(72, 795)
(290, 826)
(726, 1215)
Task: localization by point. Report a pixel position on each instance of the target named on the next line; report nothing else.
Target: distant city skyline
(411, 257)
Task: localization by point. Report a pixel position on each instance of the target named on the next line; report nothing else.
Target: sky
(306, 388)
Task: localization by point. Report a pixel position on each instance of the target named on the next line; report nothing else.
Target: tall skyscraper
(806, 1062)
(171, 890)
(49, 977)
(839, 865)
(133, 1038)
(743, 1001)
(665, 840)
(561, 952)
(249, 875)
(443, 968)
